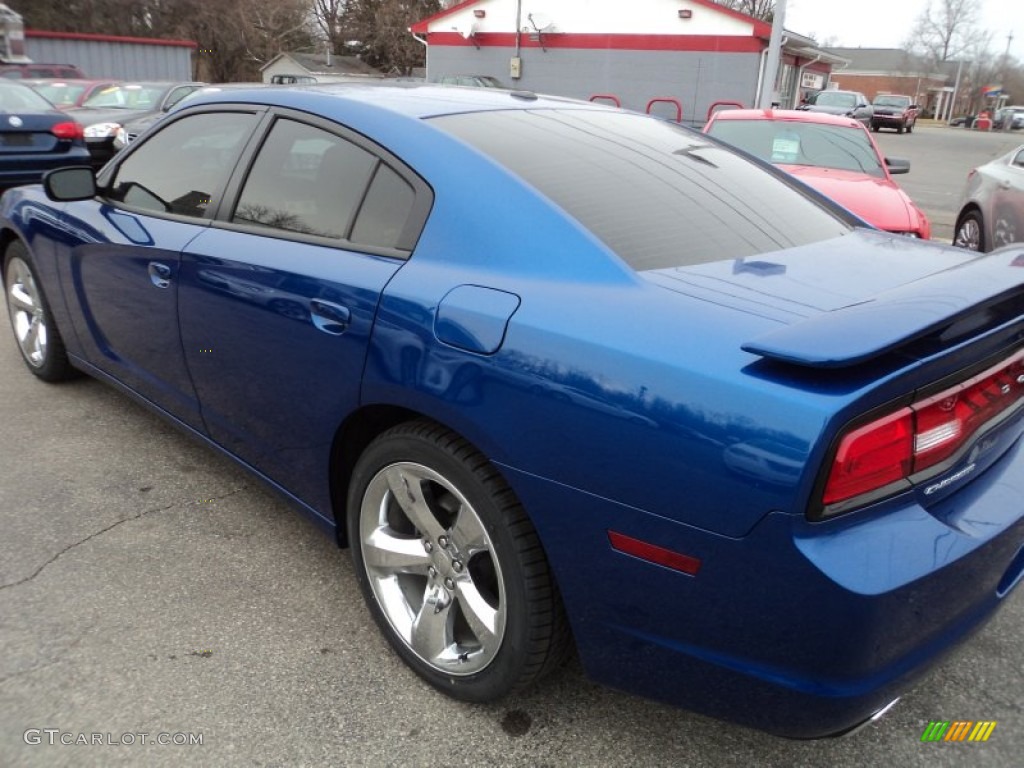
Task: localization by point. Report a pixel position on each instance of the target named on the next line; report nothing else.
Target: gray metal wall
(124, 61)
(695, 78)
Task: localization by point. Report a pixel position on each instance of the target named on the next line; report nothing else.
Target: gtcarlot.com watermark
(54, 736)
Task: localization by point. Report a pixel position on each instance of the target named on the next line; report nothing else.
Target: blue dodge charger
(561, 377)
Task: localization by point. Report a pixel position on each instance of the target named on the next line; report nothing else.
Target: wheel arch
(7, 236)
(353, 436)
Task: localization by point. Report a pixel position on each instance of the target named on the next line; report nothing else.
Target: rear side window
(305, 180)
(308, 181)
(657, 194)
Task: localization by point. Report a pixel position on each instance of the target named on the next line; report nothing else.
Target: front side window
(184, 167)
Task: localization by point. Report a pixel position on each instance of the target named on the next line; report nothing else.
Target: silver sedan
(992, 210)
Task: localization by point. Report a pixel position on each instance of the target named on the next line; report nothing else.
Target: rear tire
(899, 128)
(451, 567)
(35, 331)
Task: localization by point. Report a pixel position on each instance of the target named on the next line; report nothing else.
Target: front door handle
(329, 318)
(159, 274)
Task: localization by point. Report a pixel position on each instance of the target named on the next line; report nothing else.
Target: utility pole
(771, 64)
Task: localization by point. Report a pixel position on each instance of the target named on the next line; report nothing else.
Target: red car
(65, 94)
(835, 155)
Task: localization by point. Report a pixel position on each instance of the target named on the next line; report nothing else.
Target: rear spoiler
(955, 302)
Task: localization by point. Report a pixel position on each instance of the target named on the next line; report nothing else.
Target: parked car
(845, 103)
(963, 121)
(1008, 118)
(130, 130)
(35, 136)
(65, 94)
(890, 110)
(39, 69)
(473, 81)
(654, 398)
(835, 155)
(992, 207)
(105, 111)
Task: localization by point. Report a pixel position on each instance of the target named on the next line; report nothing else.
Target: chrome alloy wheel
(968, 235)
(432, 568)
(28, 318)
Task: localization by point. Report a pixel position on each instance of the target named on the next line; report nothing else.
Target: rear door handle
(159, 274)
(329, 318)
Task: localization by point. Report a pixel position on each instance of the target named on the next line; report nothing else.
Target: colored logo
(958, 730)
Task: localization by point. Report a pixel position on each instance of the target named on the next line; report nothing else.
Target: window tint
(183, 167)
(657, 194)
(385, 210)
(305, 180)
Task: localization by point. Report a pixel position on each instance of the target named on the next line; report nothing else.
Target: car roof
(416, 100)
(70, 81)
(791, 115)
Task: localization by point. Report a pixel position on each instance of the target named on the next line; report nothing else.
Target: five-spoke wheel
(450, 565)
(41, 345)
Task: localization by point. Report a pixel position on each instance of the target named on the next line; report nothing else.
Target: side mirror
(65, 185)
(897, 165)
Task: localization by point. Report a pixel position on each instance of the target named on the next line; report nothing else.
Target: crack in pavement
(100, 532)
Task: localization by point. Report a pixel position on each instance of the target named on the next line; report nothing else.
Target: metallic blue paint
(474, 319)
(608, 399)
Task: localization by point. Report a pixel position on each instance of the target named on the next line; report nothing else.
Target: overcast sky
(886, 23)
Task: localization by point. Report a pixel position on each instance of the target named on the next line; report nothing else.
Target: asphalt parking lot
(147, 586)
(940, 158)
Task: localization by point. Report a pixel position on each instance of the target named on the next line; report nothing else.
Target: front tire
(39, 341)
(970, 232)
(450, 565)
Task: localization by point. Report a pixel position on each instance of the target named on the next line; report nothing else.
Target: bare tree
(382, 28)
(947, 30)
(333, 18)
(234, 37)
(759, 9)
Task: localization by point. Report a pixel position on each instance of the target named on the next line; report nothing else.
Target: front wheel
(37, 336)
(969, 232)
(450, 565)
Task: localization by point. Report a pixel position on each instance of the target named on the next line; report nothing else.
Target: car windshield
(127, 97)
(796, 143)
(63, 94)
(657, 194)
(892, 101)
(834, 99)
(21, 98)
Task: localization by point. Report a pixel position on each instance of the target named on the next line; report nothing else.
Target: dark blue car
(35, 136)
(561, 377)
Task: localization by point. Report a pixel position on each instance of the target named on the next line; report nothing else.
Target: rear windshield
(657, 194)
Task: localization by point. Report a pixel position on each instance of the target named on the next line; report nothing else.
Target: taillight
(68, 130)
(923, 435)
